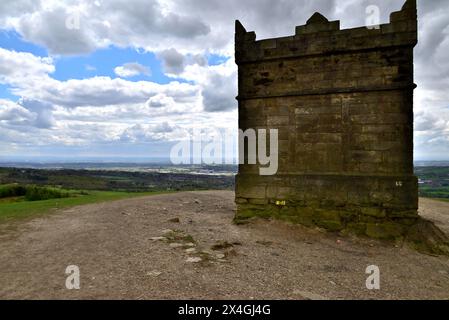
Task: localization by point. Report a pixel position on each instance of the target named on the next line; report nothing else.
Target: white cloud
(13, 113)
(19, 116)
(16, 67)
(44, 113)
(11, 9)
(101, 91)
(160, 100)
(218, 85)
(174, 62)
(148, 133)
(79, 27)
(132, 69)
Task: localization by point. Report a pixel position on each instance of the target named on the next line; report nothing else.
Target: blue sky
(132, 77)
(98, 63)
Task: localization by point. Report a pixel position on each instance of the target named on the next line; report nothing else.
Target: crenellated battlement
(319, 35)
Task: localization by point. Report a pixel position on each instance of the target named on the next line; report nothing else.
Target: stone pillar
(342, 101)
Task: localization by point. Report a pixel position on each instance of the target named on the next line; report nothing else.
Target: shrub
(12, 190)
(34, 193)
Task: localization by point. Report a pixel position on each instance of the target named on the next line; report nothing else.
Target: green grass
(19, 209)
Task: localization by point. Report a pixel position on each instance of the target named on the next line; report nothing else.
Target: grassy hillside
(18, 208)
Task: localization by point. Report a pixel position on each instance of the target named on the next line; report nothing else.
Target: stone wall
(342, 101)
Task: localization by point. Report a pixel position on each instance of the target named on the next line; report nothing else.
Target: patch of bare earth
(138, 249)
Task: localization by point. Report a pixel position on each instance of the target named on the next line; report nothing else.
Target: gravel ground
(137, 249)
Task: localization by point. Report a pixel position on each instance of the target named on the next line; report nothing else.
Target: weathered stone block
(374, 212)
(258, 201)
(241, 201)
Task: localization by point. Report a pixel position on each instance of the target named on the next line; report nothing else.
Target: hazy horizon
(129, 160)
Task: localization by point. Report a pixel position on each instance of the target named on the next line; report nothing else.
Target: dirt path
(435, 211)
(114, 246)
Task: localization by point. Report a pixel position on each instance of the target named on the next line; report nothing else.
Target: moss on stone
(246, 212)
(358, 229)
(407, 222)
(384, 230)
(304, 216)
(425, 237)
(403, 214)
(374, 212)
(327, 215)
(330, 225)
(287, 211)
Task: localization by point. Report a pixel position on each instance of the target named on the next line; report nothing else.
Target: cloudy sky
(128, 78)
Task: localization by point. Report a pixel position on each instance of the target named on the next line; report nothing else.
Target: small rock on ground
(176, 245)
(157, 238)
(154, 274)
(194, 260)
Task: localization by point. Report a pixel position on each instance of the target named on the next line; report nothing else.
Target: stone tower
(342, 101)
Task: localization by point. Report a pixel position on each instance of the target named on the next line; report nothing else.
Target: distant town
(139, 177)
